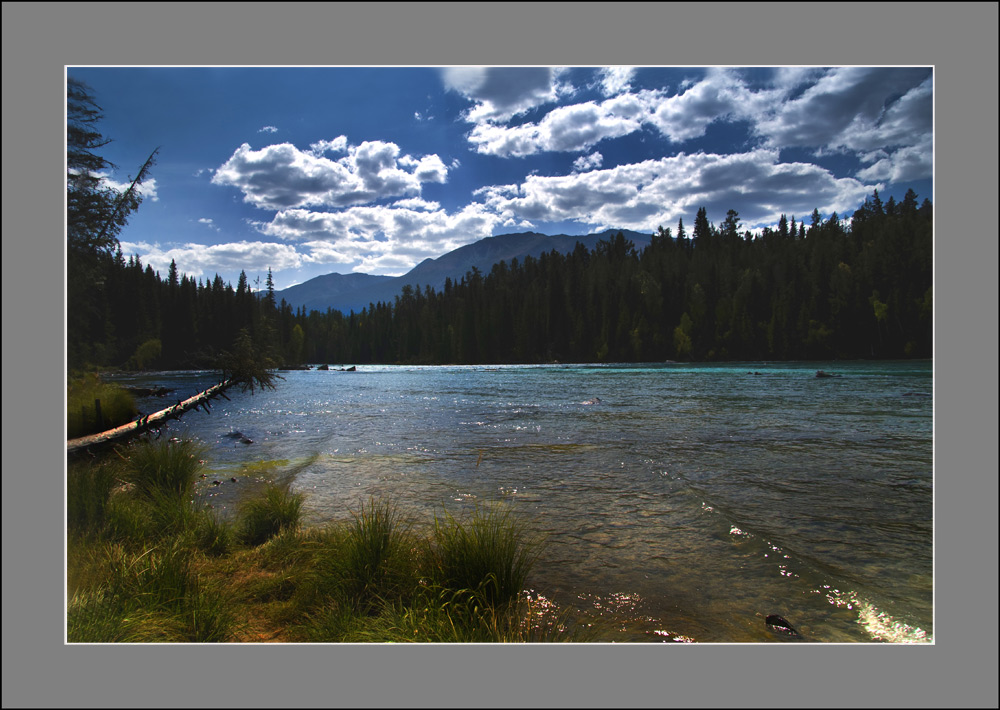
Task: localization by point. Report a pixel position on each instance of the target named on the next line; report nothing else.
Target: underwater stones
(780, 625)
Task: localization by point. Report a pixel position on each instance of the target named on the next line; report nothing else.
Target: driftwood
(150, 421)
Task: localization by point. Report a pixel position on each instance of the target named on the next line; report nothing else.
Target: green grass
(117, 406)
(487, 555)
(165, 469)
(150, 595)
(147, 562)
(265, 516)
(88, 493)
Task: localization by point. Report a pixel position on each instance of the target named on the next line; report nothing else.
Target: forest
(830, 289)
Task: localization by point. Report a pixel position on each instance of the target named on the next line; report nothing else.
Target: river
(678, 502)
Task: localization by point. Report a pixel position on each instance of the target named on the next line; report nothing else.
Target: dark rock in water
(821, 373)
(233, 479)
(246, 440)
(595, 400)
(780, 625)
(234, 435)
(216, 483)
(323, 367)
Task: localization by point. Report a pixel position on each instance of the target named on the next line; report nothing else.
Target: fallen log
(146, 422)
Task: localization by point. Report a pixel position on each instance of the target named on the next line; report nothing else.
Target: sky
(312, 170)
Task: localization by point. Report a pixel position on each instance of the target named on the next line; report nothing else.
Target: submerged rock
(780, 625)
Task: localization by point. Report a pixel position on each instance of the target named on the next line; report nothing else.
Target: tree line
(817, 291)
(828, 289)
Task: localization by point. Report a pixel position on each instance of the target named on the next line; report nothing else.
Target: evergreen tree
(95, 214)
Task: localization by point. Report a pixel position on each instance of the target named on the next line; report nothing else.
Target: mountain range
(355, 292)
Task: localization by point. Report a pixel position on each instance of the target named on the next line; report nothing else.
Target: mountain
(329, 290)
(354, 292)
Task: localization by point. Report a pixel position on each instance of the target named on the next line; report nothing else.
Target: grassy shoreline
(146, 563)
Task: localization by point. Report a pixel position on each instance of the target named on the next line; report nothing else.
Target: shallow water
(678, 502)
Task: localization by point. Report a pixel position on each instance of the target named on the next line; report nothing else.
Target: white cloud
(416, 203)
(615, 80)
(588, 162)
(849, 109)
(268, 129)
(567, 128)
(384, 240)
(337, 145)
(500, 93)
(201, 261)
(147, 189)
(645, 195)
(281, 176)
(855, 108)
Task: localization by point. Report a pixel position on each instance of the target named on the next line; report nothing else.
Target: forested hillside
(822, 290)
(830, 289)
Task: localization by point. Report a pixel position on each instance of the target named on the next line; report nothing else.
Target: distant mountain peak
(354, 292)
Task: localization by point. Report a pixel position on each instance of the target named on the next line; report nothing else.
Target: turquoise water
(679, 502)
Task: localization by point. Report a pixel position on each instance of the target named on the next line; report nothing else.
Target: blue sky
(313, 170)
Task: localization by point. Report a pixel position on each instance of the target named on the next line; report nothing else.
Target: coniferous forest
(819, 290)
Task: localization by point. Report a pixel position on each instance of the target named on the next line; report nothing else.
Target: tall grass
(488, 555)
(89, 486)
(147, 564)
(162, 470)
(117, 406)
(263, 517)
(149, 595)
(377, 560)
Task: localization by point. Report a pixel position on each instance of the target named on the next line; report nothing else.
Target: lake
(679, 502)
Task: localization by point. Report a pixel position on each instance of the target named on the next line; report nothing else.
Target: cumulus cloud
(588, 162)
(657, 192)
(337, 145)
(576, 127)
(853, 109)
(147, 189)
(381, 239)
(281, 176)
(567, 128)
(615, 80)
(500, 93)
(201, 261)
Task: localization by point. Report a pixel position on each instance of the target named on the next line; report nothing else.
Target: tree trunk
(144, 423)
